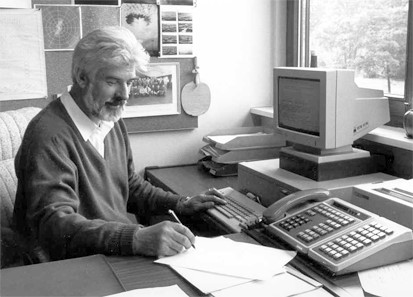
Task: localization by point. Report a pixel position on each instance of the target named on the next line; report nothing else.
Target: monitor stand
(327, 165)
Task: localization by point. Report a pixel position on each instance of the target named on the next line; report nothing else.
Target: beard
(110, 111)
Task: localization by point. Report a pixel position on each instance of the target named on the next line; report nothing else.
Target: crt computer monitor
(324, 109)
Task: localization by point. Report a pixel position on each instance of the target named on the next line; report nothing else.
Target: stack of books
(228, 147)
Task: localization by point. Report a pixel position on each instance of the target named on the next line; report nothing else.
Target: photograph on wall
(143, 21)
(98, 2)
(61, 26)
(176, 31)
(156, 93)
(141, 1)
(177, 2)
(98, 16)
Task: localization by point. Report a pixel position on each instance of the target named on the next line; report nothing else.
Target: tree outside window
(364, 35)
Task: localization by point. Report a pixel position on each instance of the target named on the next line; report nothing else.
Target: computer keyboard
(239, 212)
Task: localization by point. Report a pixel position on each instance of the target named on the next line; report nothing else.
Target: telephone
(338, 235)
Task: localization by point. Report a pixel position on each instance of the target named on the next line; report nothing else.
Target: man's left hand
(199, 202)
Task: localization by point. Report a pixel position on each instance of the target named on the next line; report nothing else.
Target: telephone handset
(278, 209)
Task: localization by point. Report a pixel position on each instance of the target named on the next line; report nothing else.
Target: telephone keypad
(355, 240)
(294, 222)
(333, 214)
(334, 221)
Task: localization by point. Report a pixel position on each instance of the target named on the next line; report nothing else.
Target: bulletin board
(58, 66)
(58, 76)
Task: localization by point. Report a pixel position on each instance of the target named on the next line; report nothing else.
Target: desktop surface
(95, 275)
(187, 179)
(267, 180)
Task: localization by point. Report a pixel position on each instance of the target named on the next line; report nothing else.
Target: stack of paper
(222, 267)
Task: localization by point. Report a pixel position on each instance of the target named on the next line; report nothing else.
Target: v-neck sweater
(73, 202)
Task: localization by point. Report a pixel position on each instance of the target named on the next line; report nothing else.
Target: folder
(242, 138)
(85, 276)
(236, 156)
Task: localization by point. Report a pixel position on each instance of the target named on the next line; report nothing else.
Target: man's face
(106, 95)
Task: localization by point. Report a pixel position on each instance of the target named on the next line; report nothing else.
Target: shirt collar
(85, 125)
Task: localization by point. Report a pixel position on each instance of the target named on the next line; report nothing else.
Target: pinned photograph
(156, 93)
(61, 26)
(176, 31)
(177, 2)
(143, 21)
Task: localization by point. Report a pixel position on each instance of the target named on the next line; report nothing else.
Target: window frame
(298, 54)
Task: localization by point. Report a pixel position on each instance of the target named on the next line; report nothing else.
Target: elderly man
(76, 178)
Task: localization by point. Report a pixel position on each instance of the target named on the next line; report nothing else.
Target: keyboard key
(367, 241)
(223, 211)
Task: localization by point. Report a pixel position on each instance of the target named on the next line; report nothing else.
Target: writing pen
(172, 213)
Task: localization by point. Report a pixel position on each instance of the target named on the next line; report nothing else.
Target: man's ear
(82, 80)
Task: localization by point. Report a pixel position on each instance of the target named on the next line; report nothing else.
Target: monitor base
(327, 167)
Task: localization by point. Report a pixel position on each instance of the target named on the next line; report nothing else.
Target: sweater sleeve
(146, 199)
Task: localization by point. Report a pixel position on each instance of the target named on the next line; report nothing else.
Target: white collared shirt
(91, 132)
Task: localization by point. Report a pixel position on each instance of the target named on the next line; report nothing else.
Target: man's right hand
(163, 239)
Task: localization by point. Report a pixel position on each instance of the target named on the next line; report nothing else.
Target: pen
(172, 213)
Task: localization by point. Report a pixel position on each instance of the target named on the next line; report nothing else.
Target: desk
(100, 275)
(140, 272)
(187, 179)
(96, 275)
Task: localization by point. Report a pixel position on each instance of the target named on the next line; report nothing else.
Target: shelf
(387, 135)
(266, 111)
(391, 136)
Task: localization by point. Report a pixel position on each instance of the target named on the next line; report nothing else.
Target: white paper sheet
(170, 291)
(208, 282)
(223, 256)
(22, 59)
(389, 280)
(223, 139)
(280, 285)
(317, 292)
(15, 3)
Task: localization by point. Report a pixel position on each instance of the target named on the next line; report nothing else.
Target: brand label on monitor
(357, 129)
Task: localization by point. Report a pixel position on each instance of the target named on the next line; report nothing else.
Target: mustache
(117, 101)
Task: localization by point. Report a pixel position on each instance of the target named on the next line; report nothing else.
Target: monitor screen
(299, 104)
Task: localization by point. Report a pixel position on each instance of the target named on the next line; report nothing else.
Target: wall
(233, 43)
(237, 43)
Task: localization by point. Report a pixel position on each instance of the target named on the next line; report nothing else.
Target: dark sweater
(70, 200)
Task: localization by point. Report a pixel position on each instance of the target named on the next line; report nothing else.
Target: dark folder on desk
(85, 276)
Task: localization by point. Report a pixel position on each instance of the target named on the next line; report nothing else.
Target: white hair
(105, 47)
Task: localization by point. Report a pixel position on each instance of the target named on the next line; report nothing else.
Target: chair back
(13, 124)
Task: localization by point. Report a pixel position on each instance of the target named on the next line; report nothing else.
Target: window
(370, 37)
